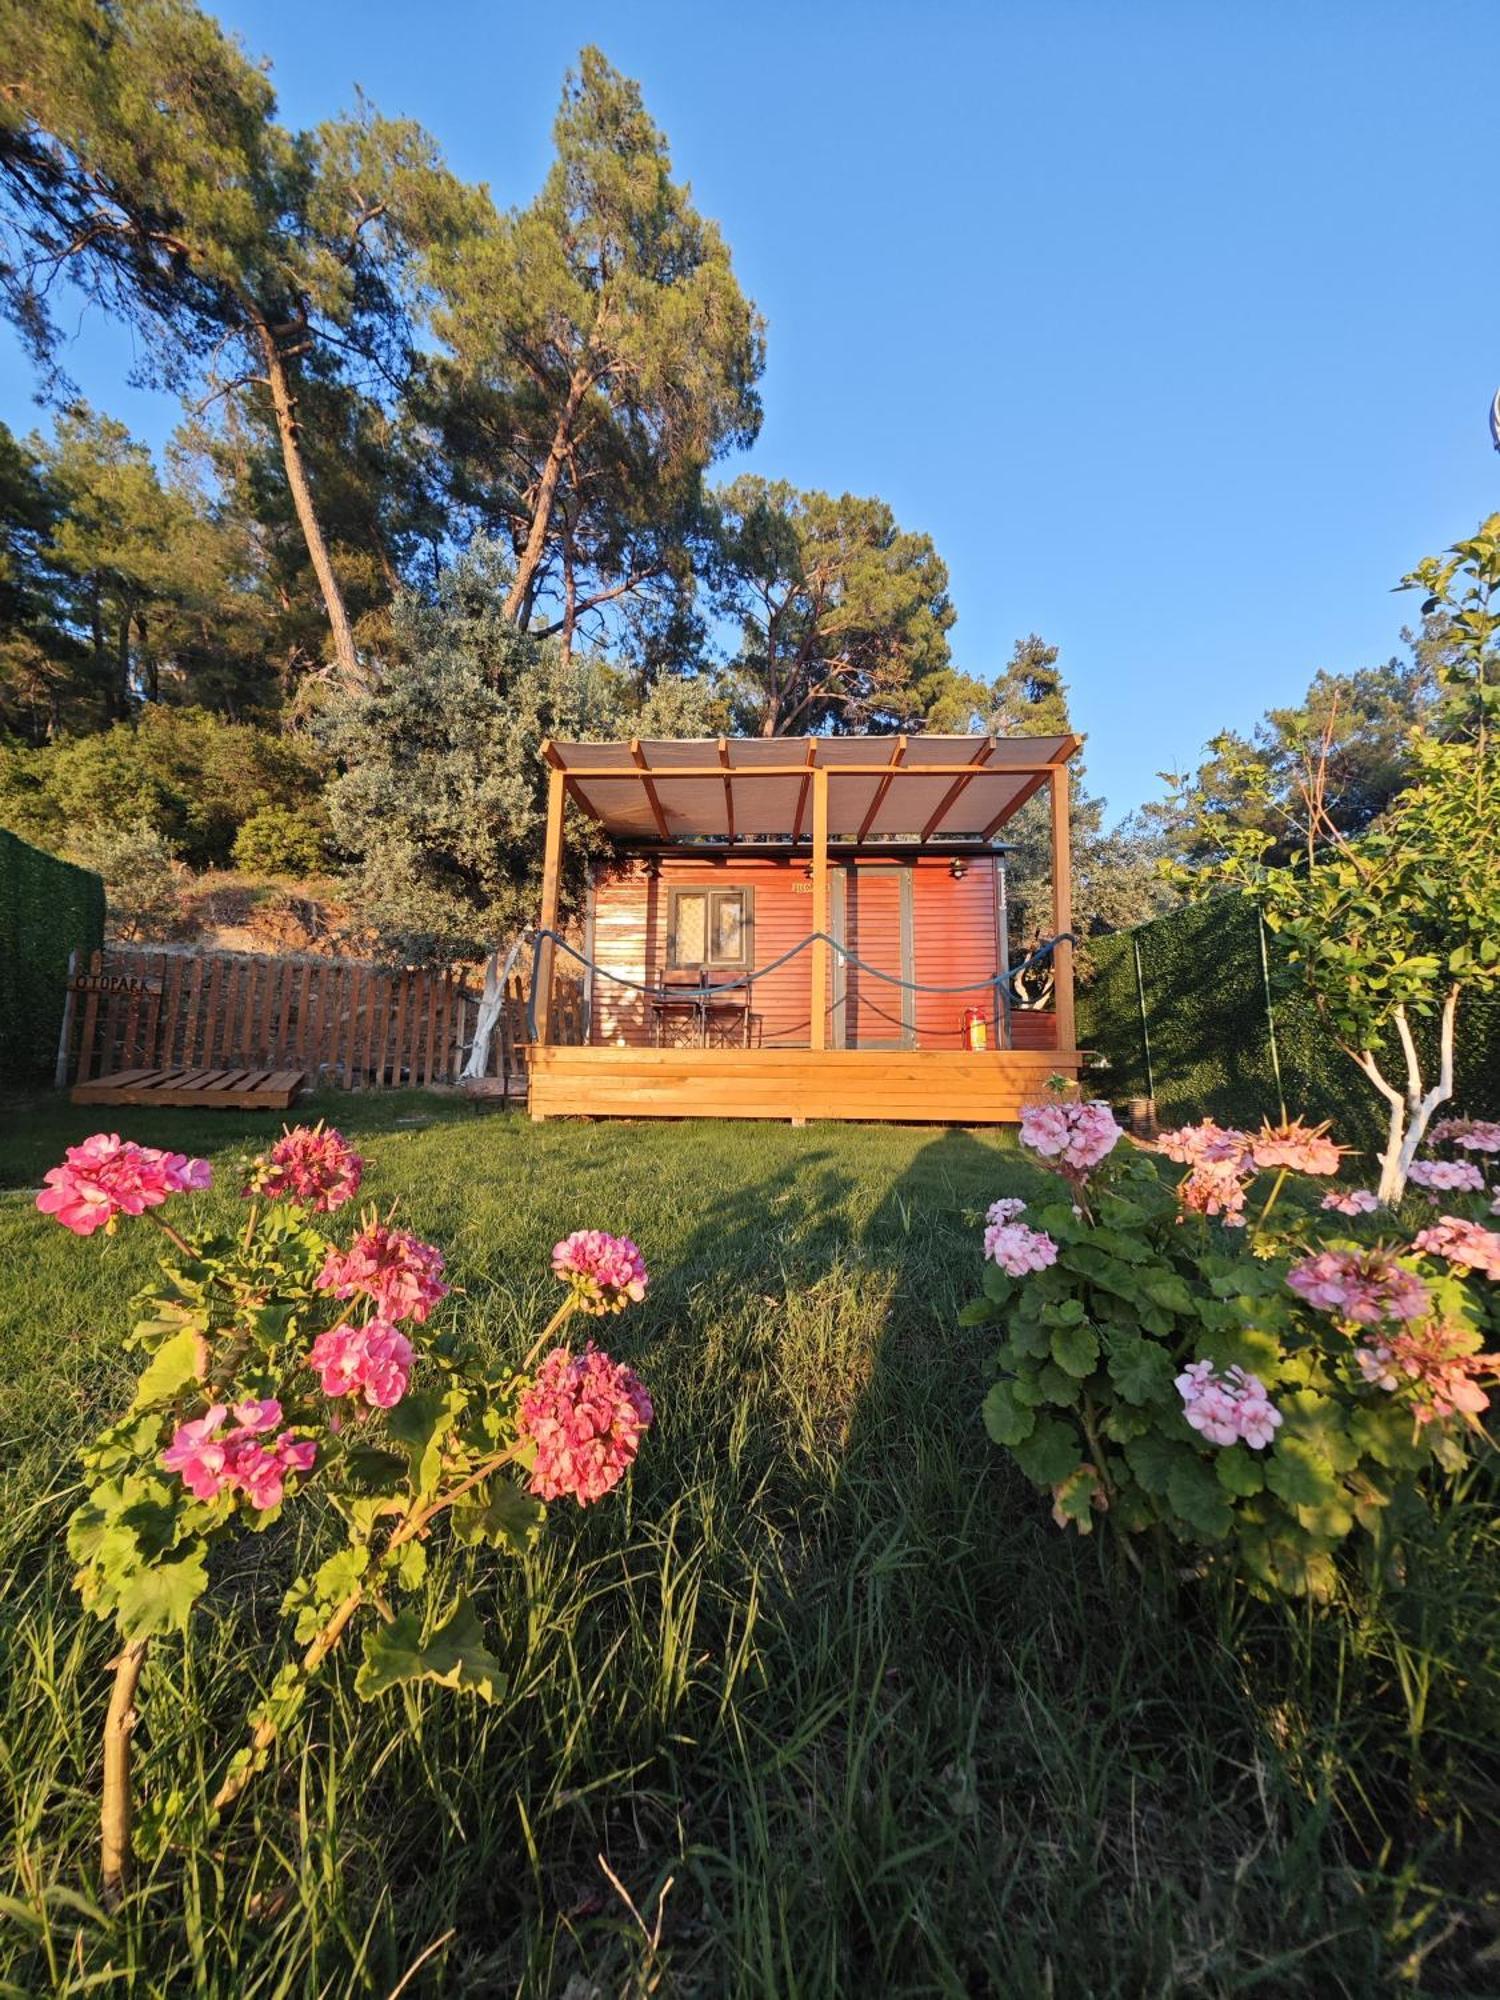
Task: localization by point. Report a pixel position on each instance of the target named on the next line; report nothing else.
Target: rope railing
(706, 989)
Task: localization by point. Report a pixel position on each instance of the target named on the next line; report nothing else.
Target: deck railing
(1022, 988)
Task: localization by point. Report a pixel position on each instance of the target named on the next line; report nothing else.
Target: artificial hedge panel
(1206, 1015)
(48, 908)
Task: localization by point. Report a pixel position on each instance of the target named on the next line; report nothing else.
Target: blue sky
(1175, 325)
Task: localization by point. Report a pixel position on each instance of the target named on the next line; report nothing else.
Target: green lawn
(838, 1705)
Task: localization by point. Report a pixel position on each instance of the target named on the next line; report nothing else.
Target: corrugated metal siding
(874, 1010)
(954, 941)
(954, 922)
(630, 937)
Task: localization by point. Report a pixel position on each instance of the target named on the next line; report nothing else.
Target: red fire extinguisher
(976, 1029)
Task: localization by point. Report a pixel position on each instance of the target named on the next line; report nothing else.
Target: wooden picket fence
(343, 1022)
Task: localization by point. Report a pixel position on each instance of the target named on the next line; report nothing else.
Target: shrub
(279, 1363)
(1251, 1393)
(279, 840)
(189, 775)
(141, 880)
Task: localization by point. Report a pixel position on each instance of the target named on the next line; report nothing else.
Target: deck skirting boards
(913, 1086)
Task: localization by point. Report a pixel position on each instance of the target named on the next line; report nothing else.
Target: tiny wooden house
(811, 927)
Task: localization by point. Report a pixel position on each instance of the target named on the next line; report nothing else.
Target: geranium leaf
(504, 1517)
(455, 1656)
(1006, 1420)
(159, 1596)
(1141, 1370)
(1050, 1453)
(1199, 1499)
(170, 1369)
(1075, 1349)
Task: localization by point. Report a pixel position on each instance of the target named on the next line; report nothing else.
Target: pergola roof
(895, 788)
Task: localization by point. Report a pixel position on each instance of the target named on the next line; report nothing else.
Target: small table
(702, 999)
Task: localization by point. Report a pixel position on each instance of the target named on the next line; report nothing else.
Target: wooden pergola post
(818, 1020)
(1062, 910)
(551, 892)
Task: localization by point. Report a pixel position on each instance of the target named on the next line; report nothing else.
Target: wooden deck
(918, 1086)
(195, 1089)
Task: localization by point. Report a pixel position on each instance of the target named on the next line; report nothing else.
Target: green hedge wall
(1210, 1042)
(47, 909)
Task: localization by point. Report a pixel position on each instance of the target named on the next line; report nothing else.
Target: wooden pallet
(195, 1089)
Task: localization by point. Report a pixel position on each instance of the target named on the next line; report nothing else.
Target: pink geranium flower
(1215, 1187)
(1364, 1286)
(1432, 1362)
(238, 1461)
(1351, 1201)
(1446, 1175)
(584, 1416)
(605, 1273)
(1207, 1144)
(1463, 1244)
(108, 1176)
(1077, 1136)
(1474, 1135)
(197, 1455)
(373, 1361)
(1230, 1408)
(1005, 1210)
(1303, 1149)
(1018, 1249)
(400, 1273)
(313, 1166)
(260, 1414)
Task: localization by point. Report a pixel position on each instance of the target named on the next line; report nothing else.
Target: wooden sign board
(113, 982)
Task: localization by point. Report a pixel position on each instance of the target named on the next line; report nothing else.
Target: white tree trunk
(1410, 1111)
(491, 1004)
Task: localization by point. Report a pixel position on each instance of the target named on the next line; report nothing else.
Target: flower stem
(177, 1242)
(265, 1731)
(1276, 1187)
(559, 1319)
(264, 1734)
(115, 1802)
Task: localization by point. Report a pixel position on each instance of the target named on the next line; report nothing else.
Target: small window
(708, 927)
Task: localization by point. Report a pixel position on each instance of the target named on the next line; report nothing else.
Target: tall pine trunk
(284, 404)
(535, 545)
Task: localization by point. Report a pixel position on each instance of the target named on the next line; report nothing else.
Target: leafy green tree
(441, 800)
(1116, 880)
(440, 803)
(139, 154)
(188, 776)
(1393, 926)
(598, 355)
(141, 878)
(1351, 733)
(843, 616)
(43, 665)
(1462, 601)
(113, 536)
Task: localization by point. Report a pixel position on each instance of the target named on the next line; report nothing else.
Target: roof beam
(897, 755)
(1033, 785)
(958, 787)
(638, 757)
(728, 786)
(591, 773)
(812, 758)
